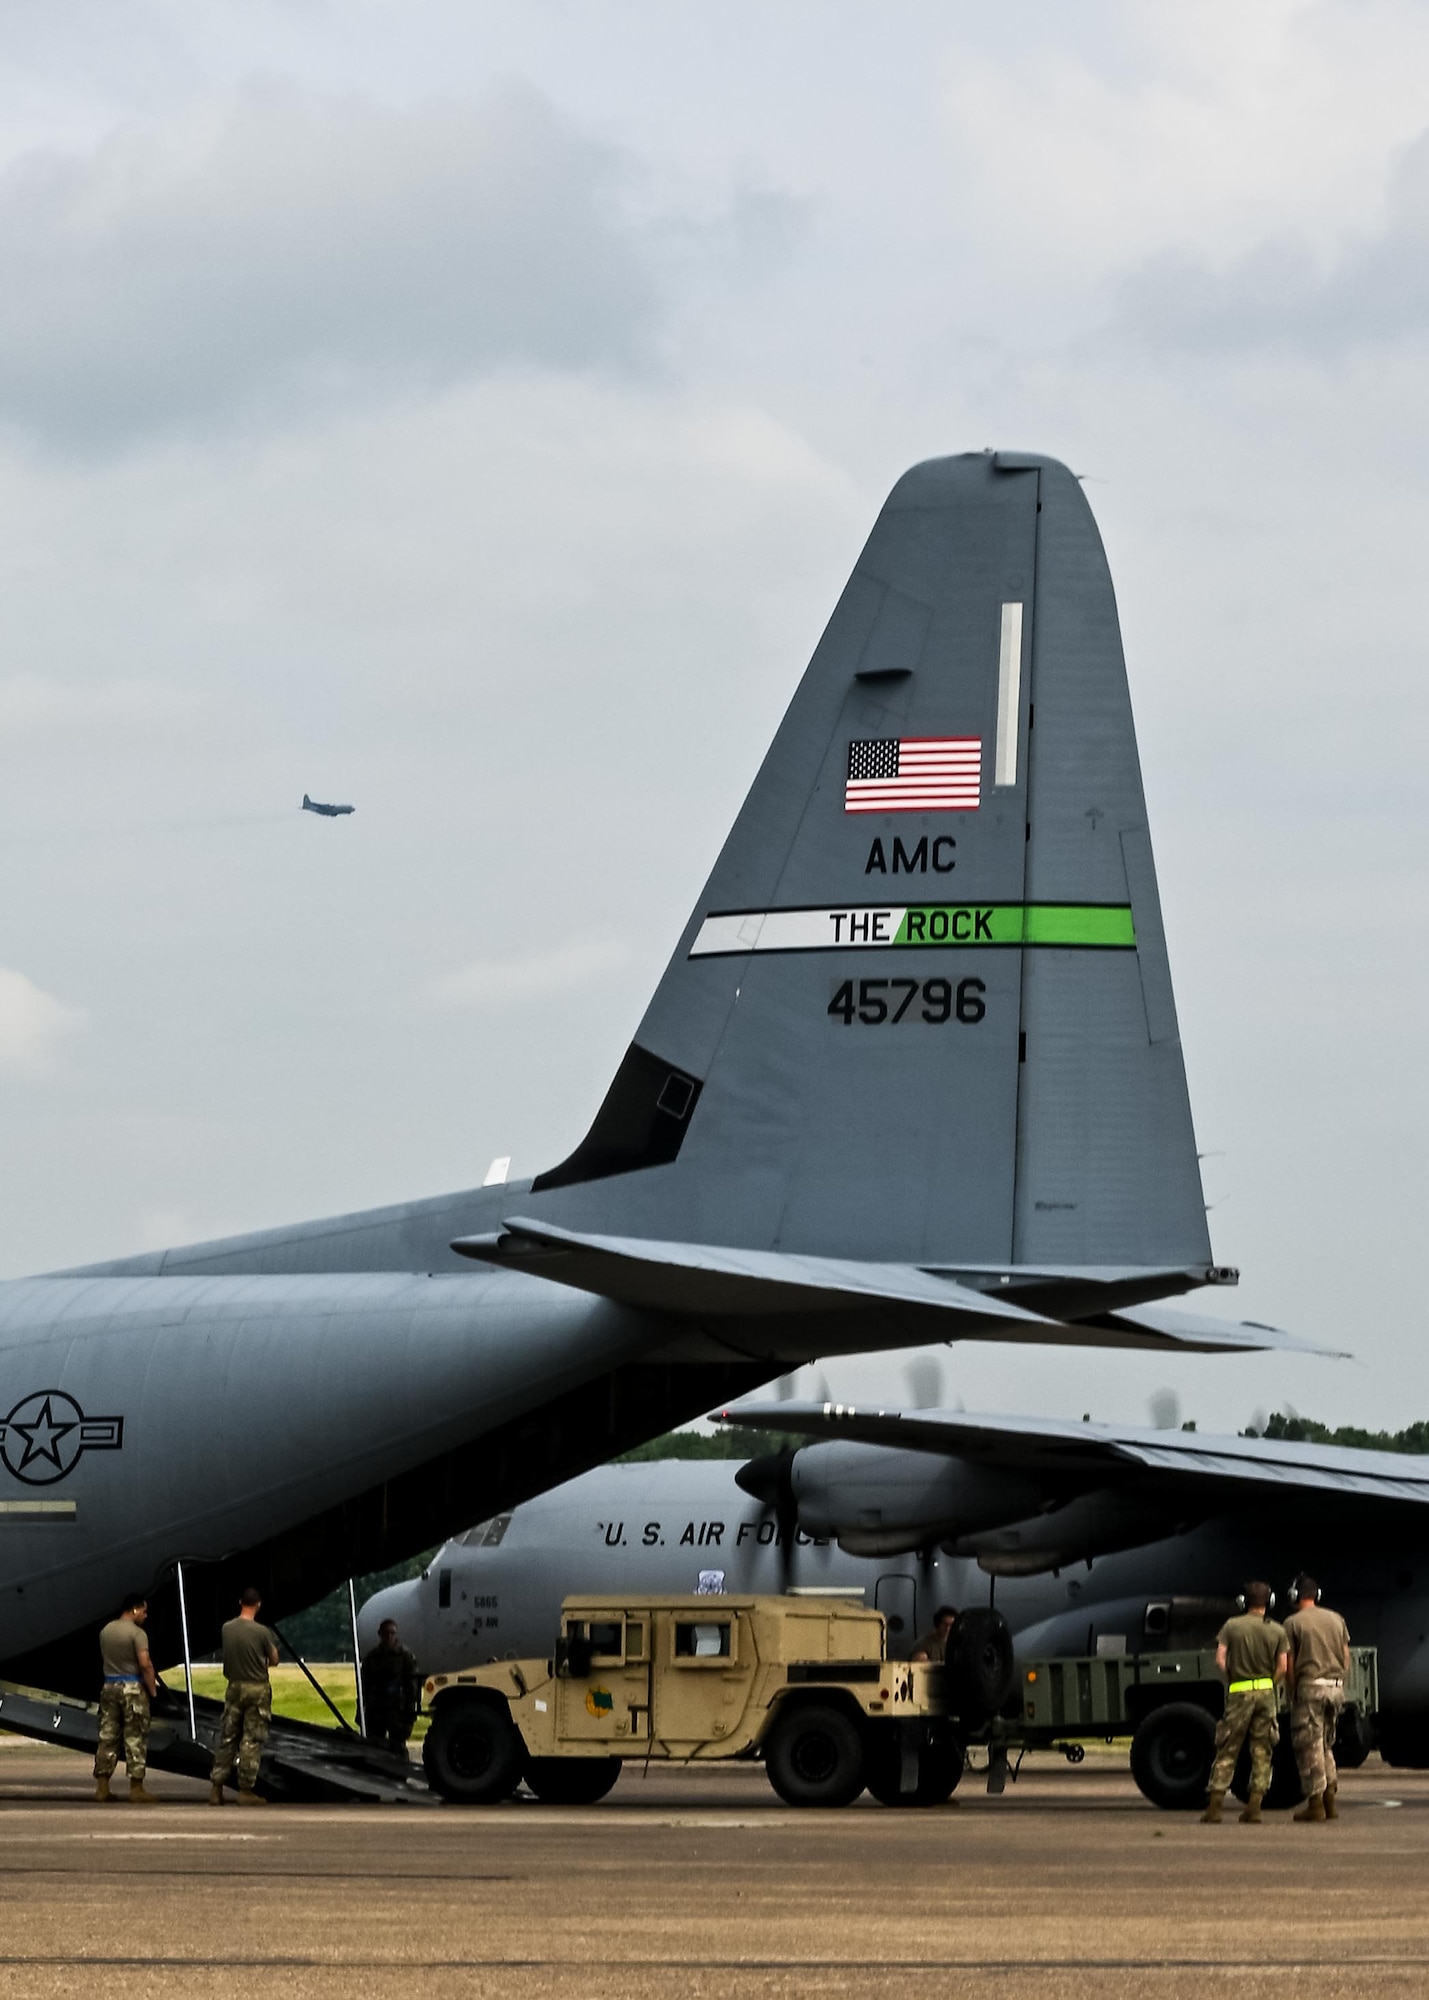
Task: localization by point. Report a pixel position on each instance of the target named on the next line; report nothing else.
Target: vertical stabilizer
(922, 1009)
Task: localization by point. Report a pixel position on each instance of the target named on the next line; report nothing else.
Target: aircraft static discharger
(912, 1074)
(327, 812)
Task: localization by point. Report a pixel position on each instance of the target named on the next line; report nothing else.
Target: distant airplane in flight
(328, 812)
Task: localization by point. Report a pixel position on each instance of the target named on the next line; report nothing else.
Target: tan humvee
(803, 1682)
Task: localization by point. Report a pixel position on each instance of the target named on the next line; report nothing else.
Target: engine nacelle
(1093, 1524)
(881, 1502)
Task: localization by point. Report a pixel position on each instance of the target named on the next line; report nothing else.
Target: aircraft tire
(980, 1671)
(571, 1781)
(1172, 1753)
(940, 1769)
(814, 1756)
(473, 1753)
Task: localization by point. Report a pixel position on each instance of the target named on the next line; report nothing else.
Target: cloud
(537, 975)
(276, 248)
(1372, 290)
(33, 1024)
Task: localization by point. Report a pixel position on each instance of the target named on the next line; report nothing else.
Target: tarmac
(702, 1883)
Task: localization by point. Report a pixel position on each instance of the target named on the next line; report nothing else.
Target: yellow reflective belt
(1245, 1687)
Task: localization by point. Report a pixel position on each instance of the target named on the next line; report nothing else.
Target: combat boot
(215, 1793)
(1332, 1811)
(1212, 1815)
(138, 1796)
(249, 1798)
(102, 1792)
(1250, 1812)
(1313, 1808)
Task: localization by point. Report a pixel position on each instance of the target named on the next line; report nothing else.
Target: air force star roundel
(44, 1437)
(914, 774)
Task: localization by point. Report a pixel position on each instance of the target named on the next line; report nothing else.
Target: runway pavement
(702, 1883)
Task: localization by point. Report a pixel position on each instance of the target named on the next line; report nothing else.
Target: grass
(292, 1695)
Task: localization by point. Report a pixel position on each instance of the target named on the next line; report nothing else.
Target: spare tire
(814, 1756)
(473, 1753)
(1172, 1754)
(980, 1671)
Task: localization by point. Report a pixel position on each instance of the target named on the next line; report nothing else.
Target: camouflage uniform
(123, 1702)
(1252, 1645)
(1314, 1721)
(123, 1717)
(392, 1694)
(247, 1711)
(1318, 1640)
(1251, 1714)
(247, 1702)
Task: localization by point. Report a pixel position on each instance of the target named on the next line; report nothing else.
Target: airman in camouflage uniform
(129, 1680)
(249, 1650)
(1251, 1653)
(391, 1689)
(1319, 1643)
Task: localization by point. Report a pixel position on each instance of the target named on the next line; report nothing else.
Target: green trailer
(1168, 1704)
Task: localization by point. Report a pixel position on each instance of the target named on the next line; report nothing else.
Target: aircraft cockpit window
(486, 1534)
(704, 1640)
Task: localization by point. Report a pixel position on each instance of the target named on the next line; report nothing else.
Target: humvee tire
(473, 1753)
(1285, 1786)
(940, 1767)
(1172, 1754)
(980, 1671)
(814, 1756)
(571, 1781)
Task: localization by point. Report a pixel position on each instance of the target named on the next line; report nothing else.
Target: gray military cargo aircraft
(1091, 1535)
(912, 1074)
(327, 812)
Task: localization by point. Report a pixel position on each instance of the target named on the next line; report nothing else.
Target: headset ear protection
(1296, 1591)
(1242, 1602)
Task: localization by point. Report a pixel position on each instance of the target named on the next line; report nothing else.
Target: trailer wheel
(814, 1757)
(473, 1753)
(980, 1671)
(1354, 1739)
(571, 1781)
(940, 1767)
(1285, 1786)
(1172, 1753)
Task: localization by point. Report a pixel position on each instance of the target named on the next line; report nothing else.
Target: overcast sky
(474, 411)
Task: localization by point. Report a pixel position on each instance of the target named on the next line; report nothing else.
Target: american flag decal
(914, 774)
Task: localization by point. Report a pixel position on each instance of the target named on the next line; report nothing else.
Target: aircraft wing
(1051, 1445)
(855, 1304)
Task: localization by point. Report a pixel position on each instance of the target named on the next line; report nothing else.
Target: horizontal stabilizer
(1047, 1445)
(709, 1281)
(855, 1304)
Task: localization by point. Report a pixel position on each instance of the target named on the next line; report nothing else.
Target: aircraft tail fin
(922, 1011)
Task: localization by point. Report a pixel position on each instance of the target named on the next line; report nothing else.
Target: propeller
(924, 1376)
(1164, 1408)
(770, 1480)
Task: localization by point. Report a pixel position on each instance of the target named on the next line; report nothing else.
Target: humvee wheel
(1172, 1754)
(940, 1767)
(814, 1757)
(571, 1781)
(473, 1753)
